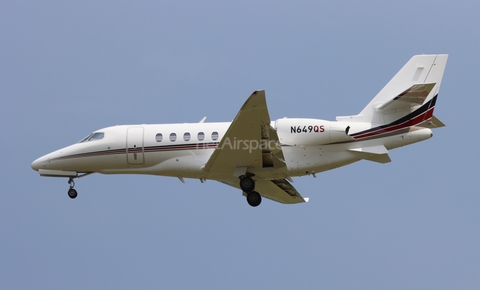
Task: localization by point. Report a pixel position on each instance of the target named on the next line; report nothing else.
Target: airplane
(255, 154)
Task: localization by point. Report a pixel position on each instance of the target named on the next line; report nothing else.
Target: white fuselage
(255, 154)
(181, 150)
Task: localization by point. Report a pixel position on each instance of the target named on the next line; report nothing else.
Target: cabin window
(214, 136)
(186, 136)
(173, 137)
(200, 136)
(159, 137)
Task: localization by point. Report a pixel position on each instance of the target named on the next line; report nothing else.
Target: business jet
(255, 154)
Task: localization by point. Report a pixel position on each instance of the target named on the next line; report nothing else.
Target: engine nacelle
(306, 132)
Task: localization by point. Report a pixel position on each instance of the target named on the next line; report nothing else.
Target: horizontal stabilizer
(377, 153)
(414, 96)
(436, 123)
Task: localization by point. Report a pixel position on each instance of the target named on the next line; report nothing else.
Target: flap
(279, 190)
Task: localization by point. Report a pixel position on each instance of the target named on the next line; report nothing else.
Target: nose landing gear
(72, 193)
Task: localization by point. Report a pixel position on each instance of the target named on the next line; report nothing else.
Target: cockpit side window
(86, 138)
(93, 136)
(96, 136)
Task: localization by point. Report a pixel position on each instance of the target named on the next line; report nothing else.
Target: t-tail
(409, 97)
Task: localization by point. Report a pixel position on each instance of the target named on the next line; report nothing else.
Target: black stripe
(425, 107)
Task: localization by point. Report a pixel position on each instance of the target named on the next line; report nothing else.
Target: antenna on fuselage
(203, 120)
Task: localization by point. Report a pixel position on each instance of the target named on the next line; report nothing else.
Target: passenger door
(135, 146)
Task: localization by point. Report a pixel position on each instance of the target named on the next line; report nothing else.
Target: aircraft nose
(38, 163)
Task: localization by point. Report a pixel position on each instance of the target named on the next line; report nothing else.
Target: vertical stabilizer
(417, 83)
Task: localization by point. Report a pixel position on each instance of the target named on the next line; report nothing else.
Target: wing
(249, 145)
(279, 190)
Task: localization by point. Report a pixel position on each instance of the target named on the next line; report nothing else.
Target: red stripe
(412, 122)
(139, 150)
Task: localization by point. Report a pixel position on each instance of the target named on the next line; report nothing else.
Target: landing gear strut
(72, 193)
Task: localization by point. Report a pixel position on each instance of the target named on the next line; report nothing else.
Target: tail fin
(416, 85)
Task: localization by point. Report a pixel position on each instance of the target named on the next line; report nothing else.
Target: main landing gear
(72, 193)
(247, 184)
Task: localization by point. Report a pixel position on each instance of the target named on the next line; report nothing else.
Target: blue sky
(68, 68)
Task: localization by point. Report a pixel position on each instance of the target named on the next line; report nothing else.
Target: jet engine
(307, 132)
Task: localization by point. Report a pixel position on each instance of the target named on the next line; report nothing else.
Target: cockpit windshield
(93, 136)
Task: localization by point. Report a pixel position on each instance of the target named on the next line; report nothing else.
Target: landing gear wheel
(72, 193)
(247, 184)
(254, 198)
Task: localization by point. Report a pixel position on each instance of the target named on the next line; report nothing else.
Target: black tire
(72, 193)
(247, 184)
(254, 198)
